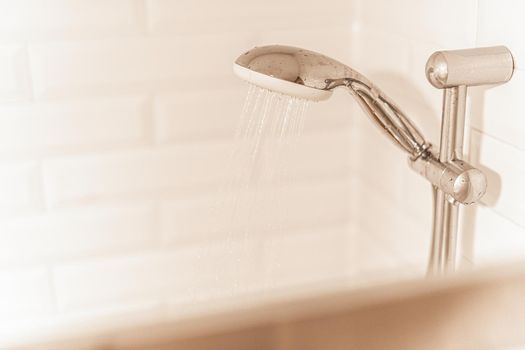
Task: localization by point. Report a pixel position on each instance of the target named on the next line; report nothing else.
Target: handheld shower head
(311, 75)
(291, 70)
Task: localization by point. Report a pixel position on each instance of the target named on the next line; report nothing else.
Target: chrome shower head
(293, 71)
(311, 75)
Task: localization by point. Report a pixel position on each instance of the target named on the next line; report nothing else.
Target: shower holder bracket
(460, 181)
(453, 179)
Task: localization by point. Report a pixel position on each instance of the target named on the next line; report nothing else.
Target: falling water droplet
(268, 129)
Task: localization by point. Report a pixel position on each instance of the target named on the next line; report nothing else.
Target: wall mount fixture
(310, 75)
(459, 182)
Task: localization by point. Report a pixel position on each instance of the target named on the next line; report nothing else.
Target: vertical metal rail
(445, 225)
(453, 71)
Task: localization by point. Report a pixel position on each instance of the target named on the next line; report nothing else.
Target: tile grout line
(52, 288)
(29, 78)
(498, 139)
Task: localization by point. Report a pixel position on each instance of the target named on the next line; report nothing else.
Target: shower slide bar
(453, 180)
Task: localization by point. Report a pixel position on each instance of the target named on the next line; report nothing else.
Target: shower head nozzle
(291, 70)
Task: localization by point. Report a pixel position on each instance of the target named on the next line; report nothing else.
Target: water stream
(249, 204)
(269, 127)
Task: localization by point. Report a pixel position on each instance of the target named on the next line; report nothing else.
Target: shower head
(292, 71)
(310, 75)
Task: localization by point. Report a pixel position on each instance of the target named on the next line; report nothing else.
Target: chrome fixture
(310, 75)
(454, 71)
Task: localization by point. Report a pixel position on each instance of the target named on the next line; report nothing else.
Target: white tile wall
(496, 238)
(25, 293)
(59, 19)
(505, 171)
(315, 158)
(116, 125)
(445, 23)
(135, 172)
(498, 115)
(492, 30)
(115, 130)
(14, 73)
(180, 117)
(208, 218)
(77, 233)
(133, 64)
(20, 187)
(231, 15)
(48, 128)
(498, 138)
(307, 256)
(189, 274)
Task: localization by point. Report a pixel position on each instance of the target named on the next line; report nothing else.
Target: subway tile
(185, 276)
(325, 153)
(303, 205)
(381, 160)
(76, 233)
(256, 211)
(20, 187)
(504, 166)
(134, 64)
(402, 238)
(184, 116)
(395, 193)
(37, 128)
(498, 114)
(431, 22)
(374, 261)
(24, 294)
(501, 23)
(307, 256)
(331, 40)
(372, 44)
(14, 75)
(416, 199)
(144, 171)
(335, 113)
(113, 281)
(496, 239)
(204, 16)
(33, 20)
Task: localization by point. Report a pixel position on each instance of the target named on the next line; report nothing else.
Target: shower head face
(291, 71)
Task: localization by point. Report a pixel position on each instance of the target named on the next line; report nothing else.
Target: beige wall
(116, 125)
